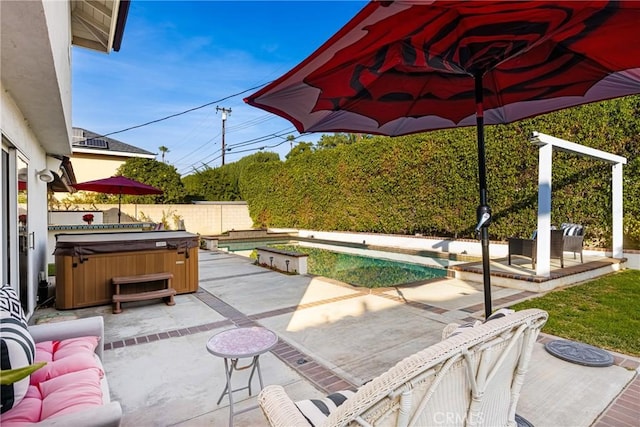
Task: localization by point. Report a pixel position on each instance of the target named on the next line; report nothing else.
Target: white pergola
(547, 144)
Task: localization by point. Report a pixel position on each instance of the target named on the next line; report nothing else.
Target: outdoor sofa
(473, 376)
(71, 389)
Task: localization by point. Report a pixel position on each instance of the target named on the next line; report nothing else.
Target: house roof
(85, 141)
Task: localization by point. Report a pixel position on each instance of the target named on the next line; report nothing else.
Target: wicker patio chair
(471, 377)
(529, 248)
(573, 239)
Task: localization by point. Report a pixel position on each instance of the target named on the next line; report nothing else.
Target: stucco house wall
(35, 121)
(91, 161)
(24, 143)
(88, 167)
(26, 126)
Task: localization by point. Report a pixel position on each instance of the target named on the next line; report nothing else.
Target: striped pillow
(17, 349)
(316, 411)
(454, 329)
(502, 312)
(569, 229)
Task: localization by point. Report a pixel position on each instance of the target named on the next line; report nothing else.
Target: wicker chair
(573, 239)
(529, 248)
(569, 238)
(474, 376)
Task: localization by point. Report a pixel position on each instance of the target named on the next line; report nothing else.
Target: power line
(229, 129)
(192, 131)
(251, 149)
(198, 148)
(251, 123)
(253, 141)
(262, 138)
(180, 113)
(240, 126)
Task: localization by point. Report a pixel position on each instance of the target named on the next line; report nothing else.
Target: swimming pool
(355, 265)
(364, 271)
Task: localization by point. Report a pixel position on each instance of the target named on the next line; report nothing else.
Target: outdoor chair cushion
(573, 239)
(316, 411)
(534, 235)
(64, 357)
(569, 229)
(454, 328)
(71, 392)
(69, 382)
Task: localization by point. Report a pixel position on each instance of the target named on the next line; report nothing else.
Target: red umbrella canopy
(118, 185)
(410, 66)
(401, 67)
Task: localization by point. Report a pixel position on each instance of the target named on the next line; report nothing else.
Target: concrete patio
(332, 336)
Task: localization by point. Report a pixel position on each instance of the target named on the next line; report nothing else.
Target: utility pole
(224, 119)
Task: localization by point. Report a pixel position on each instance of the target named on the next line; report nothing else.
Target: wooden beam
(99, 35)
(100, 7)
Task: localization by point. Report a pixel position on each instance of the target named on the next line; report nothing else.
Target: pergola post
(543, 263)
(616, 210)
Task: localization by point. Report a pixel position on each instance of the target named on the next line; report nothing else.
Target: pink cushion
(27, 411)
(44, 351)
(69, 382)
(74, 345)
(72, 363)
(63, 357)
(71, 392)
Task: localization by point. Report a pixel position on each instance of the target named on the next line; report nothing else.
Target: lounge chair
(474, 376)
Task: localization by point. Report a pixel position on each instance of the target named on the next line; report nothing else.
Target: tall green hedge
(427, 183)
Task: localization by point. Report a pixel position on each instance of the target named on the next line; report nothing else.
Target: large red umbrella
(118, 185)
(411, 66)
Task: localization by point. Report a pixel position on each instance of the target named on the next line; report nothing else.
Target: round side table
(238, 343)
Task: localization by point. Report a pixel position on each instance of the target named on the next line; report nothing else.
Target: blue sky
(179, 55)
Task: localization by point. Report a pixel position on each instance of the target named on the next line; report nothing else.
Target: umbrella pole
(119, 206)
(484, 211)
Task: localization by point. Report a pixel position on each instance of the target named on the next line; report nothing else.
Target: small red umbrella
(401, 67)
(118, 185)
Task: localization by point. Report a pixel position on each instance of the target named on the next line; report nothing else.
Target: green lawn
(604, 312)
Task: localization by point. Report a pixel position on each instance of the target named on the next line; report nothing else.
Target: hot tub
(85, 263)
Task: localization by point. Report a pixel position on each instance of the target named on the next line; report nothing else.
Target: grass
(604, 312)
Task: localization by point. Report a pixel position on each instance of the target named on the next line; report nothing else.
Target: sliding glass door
(24, 235)
(15, 235)
(5, 230)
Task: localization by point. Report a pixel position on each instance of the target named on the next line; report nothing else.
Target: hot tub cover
(101, 243)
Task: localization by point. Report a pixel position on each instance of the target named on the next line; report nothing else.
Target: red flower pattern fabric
(410, 66)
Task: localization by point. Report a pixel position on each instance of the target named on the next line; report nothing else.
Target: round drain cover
(521, 422)
(580, 353)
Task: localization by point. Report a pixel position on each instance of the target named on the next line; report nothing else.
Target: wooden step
(140, 296)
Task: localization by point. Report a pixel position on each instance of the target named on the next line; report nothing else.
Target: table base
(241, 343)
(228, 390)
